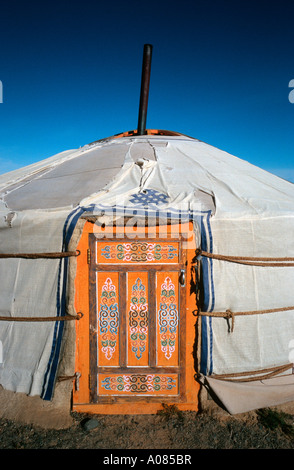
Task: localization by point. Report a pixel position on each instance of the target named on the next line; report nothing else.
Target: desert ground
(170, 429)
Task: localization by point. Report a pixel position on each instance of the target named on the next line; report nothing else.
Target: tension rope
(78, 316)
(250, 260)
(53, 255)
(229, 315)
(239, 376)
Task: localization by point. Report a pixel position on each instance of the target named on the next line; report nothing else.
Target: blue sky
(71, 74)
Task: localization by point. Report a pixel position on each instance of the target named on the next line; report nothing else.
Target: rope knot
(230, 316)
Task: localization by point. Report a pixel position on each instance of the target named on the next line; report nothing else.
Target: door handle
(182, 277)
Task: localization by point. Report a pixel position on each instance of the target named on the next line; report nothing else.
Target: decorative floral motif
(138, 383)
(140, 252)
(149, 198)
(108, 319)
(138, 319)
(168, 318)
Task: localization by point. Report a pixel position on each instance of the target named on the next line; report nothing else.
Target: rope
(228, 314)
(75, 377)
(251, 261)
(62, 378)
(271, 372)
(53, 255)
(42, 319)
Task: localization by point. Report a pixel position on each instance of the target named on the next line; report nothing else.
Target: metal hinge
(182, 278)
(88, 256)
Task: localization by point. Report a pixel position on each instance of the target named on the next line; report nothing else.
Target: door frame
(81, 390)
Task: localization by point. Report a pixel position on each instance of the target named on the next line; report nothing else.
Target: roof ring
(134, 133)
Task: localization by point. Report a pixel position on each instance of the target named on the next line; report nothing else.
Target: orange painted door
(137, 320)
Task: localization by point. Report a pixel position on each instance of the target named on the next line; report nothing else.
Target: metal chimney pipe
(145, 80)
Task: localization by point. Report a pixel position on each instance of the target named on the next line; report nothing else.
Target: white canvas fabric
(237, 209)
(249, 396)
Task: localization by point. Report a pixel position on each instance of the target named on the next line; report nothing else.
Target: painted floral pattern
(108, 319)
(139, 252)
(139, 383)
(138, 319)
(168, 318)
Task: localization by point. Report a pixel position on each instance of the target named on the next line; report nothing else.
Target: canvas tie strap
(54, 255)
(251, 261)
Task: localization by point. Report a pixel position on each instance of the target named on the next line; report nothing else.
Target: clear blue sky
(71, 74)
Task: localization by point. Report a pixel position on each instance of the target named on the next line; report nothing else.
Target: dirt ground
(170, 429)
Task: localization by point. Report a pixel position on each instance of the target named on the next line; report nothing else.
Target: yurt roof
(182, 167)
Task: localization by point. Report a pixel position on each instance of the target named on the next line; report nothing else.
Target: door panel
(137, 321)
(138, 384)
(110, 252)
(108, 319)
(167, 318)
